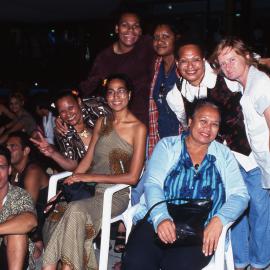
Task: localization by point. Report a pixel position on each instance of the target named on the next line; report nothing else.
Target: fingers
(35, 141)
(209, 245)
(42, 139)
(211, 236)
(166, 231)
(71, 179)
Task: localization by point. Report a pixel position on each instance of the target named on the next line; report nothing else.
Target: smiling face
(69, 110)
(233, 65)
(164, 40)
(128, 30)
(117, 95)
(205, 125)
(190, 64)
(15, 105)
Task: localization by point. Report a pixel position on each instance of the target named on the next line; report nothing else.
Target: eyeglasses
(121, 93)
(192, 61)
(3, 166)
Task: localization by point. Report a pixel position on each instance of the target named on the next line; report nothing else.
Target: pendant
(84, 133)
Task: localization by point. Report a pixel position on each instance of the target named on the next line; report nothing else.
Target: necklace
(84, 133)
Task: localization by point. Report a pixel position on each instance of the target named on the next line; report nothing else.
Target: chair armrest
(221, 247)
(223, 253)
(111, 190)
(106, 223)
(53, 183)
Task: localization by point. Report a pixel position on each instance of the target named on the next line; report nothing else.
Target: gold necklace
(84, 133)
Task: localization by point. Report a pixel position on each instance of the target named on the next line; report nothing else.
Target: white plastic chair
(223, 256)
(53, 183)
(126, 216)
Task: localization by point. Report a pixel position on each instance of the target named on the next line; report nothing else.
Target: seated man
(17, 217)
(28, 174)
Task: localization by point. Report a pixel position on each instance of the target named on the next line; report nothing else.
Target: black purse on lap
(189, 219)
(77, 191)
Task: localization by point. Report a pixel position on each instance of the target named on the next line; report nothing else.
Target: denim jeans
(251, 234)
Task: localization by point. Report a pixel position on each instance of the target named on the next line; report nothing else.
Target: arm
(19, 224)
(11, 127)
(157, 169)
(7, 112)
(96, 74)
(50, 151)
(132, 176)
(265, 62)
(267, 119)
(32, 181)
(237, 197)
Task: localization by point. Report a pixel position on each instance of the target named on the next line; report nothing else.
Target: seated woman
(20, 118)
(115, 155)
(78, 118)
(195, 166)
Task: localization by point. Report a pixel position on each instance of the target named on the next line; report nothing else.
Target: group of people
(199, 127)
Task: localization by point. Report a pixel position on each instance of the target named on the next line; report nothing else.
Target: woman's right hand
(166, 231)
(41, 143)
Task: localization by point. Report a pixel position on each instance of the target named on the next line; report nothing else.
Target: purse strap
(168, 200)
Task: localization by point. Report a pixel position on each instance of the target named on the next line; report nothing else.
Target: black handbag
(189, 219)
(77, 191)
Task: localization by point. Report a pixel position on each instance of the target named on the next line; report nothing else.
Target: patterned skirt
(69, 233)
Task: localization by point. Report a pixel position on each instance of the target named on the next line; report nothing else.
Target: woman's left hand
(211, 235)
(75, 178)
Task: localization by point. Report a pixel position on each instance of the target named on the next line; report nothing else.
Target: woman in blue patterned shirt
(191, 165)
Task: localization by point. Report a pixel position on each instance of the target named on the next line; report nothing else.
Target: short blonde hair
(238, 46)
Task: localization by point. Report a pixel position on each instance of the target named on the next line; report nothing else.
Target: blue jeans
(251, 234)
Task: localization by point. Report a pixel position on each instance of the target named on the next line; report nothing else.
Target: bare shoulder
(35, 168)
(137, 126)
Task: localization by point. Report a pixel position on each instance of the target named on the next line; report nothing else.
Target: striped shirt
(202, 183)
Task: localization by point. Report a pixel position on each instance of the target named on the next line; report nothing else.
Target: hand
(211, 235)
(74, 178)
(38, 249)
(265, 61)
(166, 231)
(60, 126)
(44, 147)
(51, 202)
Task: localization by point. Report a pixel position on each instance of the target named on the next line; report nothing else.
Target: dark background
(51, 44)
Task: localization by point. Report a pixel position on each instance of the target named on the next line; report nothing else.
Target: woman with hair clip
(251, 236)
(115, 155)
(77, 118)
